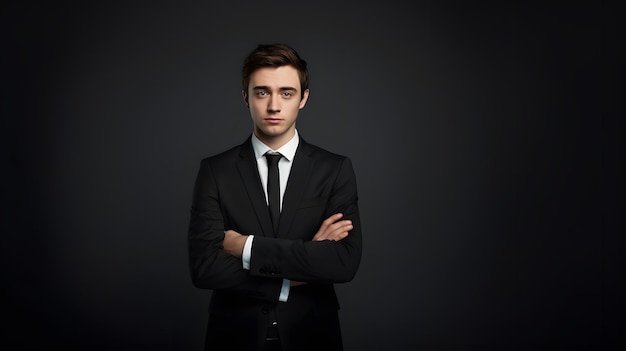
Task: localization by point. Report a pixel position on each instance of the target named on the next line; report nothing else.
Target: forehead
(275, 77)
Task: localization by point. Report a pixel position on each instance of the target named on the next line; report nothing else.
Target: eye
(261, 93)
(287, 94)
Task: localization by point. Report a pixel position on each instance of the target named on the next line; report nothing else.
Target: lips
(273, 120)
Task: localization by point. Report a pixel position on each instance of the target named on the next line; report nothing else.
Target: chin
(274, 131)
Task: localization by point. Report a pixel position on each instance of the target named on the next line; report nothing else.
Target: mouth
(273, 120)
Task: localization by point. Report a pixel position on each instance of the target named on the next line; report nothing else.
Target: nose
(273, 104)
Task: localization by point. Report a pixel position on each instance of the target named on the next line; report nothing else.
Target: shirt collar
(288, 150)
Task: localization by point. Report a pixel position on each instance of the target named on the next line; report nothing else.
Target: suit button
(265, 310)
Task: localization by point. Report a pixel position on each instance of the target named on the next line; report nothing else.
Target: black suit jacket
(228, 194)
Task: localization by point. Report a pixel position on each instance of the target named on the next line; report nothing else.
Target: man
(271, 248)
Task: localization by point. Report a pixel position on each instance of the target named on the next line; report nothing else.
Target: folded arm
(332, 228)
(334, 254)
(211, 267)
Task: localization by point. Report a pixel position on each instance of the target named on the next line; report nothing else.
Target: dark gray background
(478, 132)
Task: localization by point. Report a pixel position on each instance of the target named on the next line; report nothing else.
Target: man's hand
(333, 229)
(234, 242)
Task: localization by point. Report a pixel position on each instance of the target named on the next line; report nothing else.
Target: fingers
(339, 230)
(333, 229)
(332, 219)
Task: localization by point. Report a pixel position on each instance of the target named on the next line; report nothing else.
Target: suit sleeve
(210, 267)
(320, 262)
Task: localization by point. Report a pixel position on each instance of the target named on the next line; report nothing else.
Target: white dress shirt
(284, 168)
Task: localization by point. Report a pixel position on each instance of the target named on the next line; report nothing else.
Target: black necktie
(273, 188)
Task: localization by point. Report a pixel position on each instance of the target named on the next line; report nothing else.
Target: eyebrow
(264, 87)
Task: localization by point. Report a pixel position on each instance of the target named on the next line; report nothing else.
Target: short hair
(274, 55)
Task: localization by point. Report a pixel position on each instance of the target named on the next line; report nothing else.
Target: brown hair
(274, 55)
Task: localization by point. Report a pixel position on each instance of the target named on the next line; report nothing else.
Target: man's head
(275, 89)
(274, 55)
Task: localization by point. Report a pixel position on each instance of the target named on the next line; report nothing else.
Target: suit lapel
(249, 173)
(296, 185)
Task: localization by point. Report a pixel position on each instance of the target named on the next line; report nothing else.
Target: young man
(271, 247)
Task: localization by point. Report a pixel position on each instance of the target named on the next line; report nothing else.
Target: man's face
(274, 102)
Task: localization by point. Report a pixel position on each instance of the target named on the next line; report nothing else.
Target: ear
(245, 98)
(304, 99)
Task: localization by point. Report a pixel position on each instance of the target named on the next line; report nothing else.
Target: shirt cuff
(247, 251)
(284, 291)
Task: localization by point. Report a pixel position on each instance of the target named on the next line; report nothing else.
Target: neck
(277, 141)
